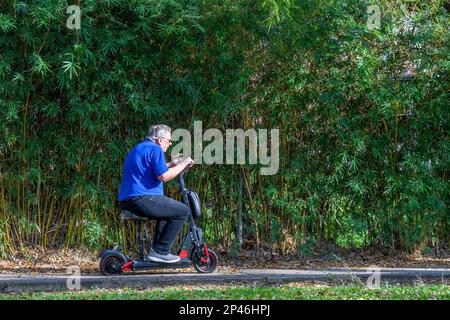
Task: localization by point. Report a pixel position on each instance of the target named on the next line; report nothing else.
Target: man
(141, 191)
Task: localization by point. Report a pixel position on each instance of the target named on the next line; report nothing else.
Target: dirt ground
(32, 260)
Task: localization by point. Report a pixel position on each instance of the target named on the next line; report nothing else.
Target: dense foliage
(363, 117)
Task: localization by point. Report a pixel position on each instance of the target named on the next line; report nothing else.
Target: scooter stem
(181, 182)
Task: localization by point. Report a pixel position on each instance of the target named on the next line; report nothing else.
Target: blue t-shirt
(142, 167)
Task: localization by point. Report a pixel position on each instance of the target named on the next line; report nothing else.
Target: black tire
(205, 267)
(111, 264)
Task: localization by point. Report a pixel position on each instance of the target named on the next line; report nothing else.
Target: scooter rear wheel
(205, 267)
(111, 264)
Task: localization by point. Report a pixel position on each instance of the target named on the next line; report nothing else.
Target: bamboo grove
(362, 112)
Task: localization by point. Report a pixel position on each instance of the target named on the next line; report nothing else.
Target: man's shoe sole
(155, 259)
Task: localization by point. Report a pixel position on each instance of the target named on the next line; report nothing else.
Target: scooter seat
(128, 215)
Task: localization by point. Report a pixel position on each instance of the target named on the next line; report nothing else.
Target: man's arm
(174, 171)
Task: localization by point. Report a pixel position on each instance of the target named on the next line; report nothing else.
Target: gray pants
(169, 213)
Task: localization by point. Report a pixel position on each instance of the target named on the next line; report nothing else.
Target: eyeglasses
(168, 140)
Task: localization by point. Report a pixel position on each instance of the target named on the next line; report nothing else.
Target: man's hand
(174, 171)
(189, 162)
(175, 160)
(179, 159)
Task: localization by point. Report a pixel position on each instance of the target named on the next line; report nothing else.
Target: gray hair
(158, 131)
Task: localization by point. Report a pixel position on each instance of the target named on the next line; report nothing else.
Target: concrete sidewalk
(59, 282)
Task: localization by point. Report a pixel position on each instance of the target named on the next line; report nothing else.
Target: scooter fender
(104, 253)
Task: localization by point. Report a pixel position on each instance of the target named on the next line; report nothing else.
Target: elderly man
(141, 191)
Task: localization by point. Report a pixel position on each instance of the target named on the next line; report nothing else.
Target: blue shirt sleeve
(158, 162)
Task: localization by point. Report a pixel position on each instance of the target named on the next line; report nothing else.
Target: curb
(11, 283)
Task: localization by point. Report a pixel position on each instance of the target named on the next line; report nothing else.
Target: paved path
(58, 282)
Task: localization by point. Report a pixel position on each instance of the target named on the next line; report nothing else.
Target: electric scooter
(193, 251)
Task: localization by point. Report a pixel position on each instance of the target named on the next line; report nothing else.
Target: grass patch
(291, 291)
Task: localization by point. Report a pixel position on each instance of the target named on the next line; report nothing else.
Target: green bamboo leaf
(7, 23)
(70, 66)
(40, 65)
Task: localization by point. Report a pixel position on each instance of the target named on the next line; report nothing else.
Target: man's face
(165, 141)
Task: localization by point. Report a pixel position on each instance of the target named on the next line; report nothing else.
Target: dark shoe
(165, 258)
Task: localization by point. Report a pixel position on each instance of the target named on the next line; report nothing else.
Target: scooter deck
(146, 265)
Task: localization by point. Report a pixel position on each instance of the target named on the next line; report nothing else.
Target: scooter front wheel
(205, 264)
